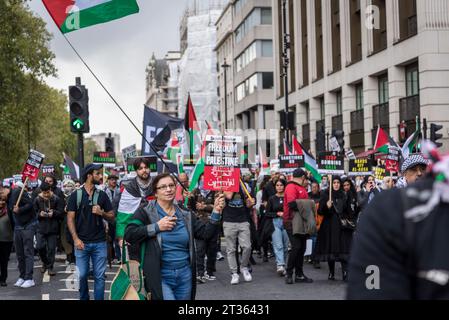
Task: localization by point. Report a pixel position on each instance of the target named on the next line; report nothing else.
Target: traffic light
(340, 136)
(434, 136)
(79, 109)
(109, 144)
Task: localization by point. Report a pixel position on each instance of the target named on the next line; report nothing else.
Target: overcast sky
(118, 52)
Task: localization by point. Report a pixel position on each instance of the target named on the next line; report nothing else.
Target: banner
(48, 169)
(129, 152)
(222, 165)
(33, 165)
(380, 172)
(350, 154)
(291, 162)
(360, 167)
(334, 145)
(105, 158)
(153, 123)
(331, 162)
(392, 160)
(153, 164)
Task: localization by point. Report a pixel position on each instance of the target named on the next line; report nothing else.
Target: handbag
(347, 224)
(128, 281)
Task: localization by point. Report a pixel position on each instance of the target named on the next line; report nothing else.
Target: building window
(412, 80)
(249, 86)
(339, 103)
(267, 80)
(265, 14)
(322, 111)
(267, 48)
(380, 35)
(336, 46)
(359, 96)
(319, 39)
(246, 57)
(408, 23)
(383, 90)
(356, 31)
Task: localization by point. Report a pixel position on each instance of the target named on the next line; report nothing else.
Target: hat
(299, 173)
(90, 168)
(412, 161)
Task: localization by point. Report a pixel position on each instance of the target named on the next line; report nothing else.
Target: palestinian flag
(310, 162)
(191, 126)
(264, 165)
(287, 149)
(70, 167)
(383, 141)
(243, 157)
(128, 205)
(410, 144)
(71, 15)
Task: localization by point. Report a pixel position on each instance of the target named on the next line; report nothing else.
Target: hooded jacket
(49, 225)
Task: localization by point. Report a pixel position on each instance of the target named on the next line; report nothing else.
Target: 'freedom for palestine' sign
(222, 167)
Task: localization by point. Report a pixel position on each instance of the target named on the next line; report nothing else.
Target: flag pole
(121, 109)
(21, 192)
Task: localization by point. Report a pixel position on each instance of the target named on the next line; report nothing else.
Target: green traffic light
(78, 124)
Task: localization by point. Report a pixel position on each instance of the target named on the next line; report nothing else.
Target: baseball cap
(299, 173)
(89, 168)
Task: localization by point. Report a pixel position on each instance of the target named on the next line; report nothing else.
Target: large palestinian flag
(71, 15)
(310, 163)
(383, 141)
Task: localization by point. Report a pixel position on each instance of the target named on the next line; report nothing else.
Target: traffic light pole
(81, 149)
(285, 65)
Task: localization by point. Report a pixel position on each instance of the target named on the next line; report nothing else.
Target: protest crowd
(282, 217)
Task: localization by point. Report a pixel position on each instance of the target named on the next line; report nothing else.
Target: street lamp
(285, 63)
(225, 66)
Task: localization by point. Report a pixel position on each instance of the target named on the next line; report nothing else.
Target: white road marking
(46, 296)
(46, 277)
(76, 290)
(91, 281)
(72, 272)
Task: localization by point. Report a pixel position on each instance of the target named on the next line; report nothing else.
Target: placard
(33, 165)
(392, 160)
(48, 169)
(106, 158)
(331, 162)
(129, 152)
(222, 163)
(288, 163)
(360, 167)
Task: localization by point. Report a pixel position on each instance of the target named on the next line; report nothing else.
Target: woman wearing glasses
(168, 233)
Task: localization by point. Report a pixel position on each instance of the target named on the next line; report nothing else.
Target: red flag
(287, 149)
(297, 150)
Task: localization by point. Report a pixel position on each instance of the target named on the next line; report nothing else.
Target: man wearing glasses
(413, 169)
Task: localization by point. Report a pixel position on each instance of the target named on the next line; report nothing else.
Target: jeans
(177, 283)
(5, 251)
(46, 246)
(296, 256)
(209, 248)
(232, 232)
(23, 243)
(98, 253)
(280, 242)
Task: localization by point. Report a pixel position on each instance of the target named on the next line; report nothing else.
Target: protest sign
(288, 163)
(392, 160)
(32, 165)
(105, 158)
(222, 165)
(360, 167)
(48, 169)
(129, 152)
(330, 162)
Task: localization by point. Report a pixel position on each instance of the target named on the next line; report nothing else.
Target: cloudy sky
(118, 52)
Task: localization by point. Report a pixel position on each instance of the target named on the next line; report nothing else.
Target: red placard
(221, 178)
(391, 165)
(31, 172)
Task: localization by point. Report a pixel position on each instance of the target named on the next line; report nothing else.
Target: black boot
(303, 279)
(289, 279)
(345, 276)
(331, 270)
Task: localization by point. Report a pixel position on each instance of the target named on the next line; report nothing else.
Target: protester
(86, 209)
(413, 168)
(181, 189)
(368, 192)
(261, 208)
(237, 227)
(295, 190)
(168, 233)
(25, 223)
(112, 191)
(135, 194)
(334, 241)
(275, 211)
(50, 179)
(50, 211)
(202, 203)
(400, 249)
(315, 195)
(68, 186)
(6, 238)
(388, 183)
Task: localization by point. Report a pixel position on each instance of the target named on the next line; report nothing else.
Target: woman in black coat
(333, 241)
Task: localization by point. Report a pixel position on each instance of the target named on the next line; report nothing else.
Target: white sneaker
(235, 278)
(19, 282)
(28, 284)
(220, 256)
(280, 270)
(246, 275)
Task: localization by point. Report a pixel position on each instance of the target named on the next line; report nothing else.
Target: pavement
(266, 284)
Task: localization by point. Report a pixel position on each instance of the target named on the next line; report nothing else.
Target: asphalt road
(266, 284)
